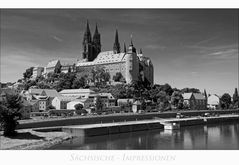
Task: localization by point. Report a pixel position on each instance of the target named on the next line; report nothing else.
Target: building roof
(76, 91)
(52, 63)
(187, 96)
(32, 102)
(103, 58)
(40, 97)
(199, 96)
(78, 100)
(35, 91)
(25, 103)
(125, 100)
(109, 95)
(50, 93)
(66, 98)
(137, 102)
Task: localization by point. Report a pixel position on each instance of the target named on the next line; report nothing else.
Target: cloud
(58, 39)
(223, 54)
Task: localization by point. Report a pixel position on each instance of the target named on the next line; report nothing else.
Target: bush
(9, 114)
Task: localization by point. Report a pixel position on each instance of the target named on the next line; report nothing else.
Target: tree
(190, 90)
(167, 88)
(79, 109)
(117, 77)
(79, 83)
(177, 100)
(58, 69)
(163, 100)
(9, 113)
(225, 101)
(28, 73)
(99, 104)
(143, 105)
(66, 81)
(69, 70)
(235, 98)
(29, 84)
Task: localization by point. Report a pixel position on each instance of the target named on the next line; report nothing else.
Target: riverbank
(28, 139)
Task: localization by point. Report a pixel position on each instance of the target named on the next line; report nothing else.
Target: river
(223, 136)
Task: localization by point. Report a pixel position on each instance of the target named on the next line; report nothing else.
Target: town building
(125, 102)
(52, 66)
(107, 100)
(136, 106)
(195, 101)
(213, 102)
(31, 93)
(42, 103)
(82, 93)
(50, 93)
(60, 102)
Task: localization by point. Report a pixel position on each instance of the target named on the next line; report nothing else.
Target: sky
(188, 48)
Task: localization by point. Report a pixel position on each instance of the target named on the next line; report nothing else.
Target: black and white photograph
(119, 79)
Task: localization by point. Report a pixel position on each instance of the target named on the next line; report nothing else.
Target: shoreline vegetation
(28, 139)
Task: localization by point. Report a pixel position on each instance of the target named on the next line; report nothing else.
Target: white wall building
(81, 93)
(213, 102)
(107, 100)
(61, 101)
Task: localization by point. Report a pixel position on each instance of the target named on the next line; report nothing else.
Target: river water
(223, 136)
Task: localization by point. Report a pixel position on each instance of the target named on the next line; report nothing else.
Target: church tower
(96, 42)
(116, 47)
(87, 44)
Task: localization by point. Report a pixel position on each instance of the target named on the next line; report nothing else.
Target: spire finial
(140, 51)
(87, 25)
(124, 48)
(131, 40)
(116, 47)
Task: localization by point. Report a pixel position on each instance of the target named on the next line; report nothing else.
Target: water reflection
(224, 136)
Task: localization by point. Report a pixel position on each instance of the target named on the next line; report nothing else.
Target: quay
(83, 120)
(132, 126)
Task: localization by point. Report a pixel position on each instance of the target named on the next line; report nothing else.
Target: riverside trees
(9, 114)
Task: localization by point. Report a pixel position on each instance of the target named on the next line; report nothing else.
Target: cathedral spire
(124, 48)
(116, 47)
(96, 42)
(87, 35)
(87, 26)
(131, 40)
(96, 29)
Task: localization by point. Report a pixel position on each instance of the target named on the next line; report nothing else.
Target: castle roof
(105, 57)
(52, 63)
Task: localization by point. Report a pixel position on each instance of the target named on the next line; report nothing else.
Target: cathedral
(131, 64)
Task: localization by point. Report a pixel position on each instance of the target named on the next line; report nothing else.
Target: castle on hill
(132, 64)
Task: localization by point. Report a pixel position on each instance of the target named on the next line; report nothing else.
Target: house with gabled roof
(195, 101)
